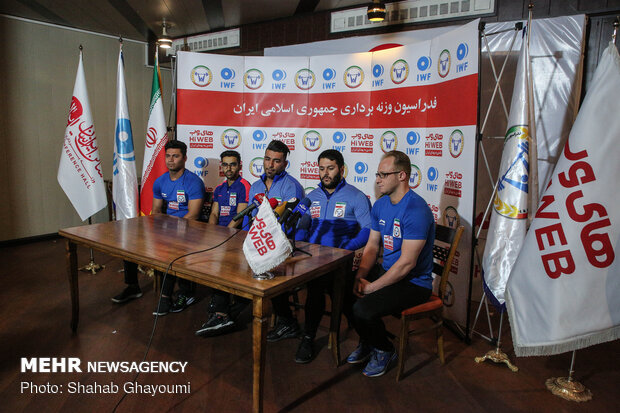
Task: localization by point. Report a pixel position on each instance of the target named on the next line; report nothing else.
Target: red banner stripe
(334, 110)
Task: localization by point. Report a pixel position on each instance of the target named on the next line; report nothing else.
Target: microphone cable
(163, 280)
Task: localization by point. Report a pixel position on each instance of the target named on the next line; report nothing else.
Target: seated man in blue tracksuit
(229, 197)
(339, 216)
(275, 182)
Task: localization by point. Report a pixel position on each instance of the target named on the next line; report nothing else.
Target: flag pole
(533, 162)
(91, 267)
(567, 388)
(613, 36)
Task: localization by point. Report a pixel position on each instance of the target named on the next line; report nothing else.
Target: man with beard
(339, 216)
(229, 197)
(403, 224)
(275, 182)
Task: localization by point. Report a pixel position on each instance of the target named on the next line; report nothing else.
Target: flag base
(264, 276)
(92, 267)
(568, 389)
(497, 356)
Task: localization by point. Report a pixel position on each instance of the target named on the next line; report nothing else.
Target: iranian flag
(156, 137)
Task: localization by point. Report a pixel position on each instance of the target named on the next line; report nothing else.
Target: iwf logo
(462, 51)
(329, 74)
(413, 138)
(399, 71)
(432, 174)
(389, 141)
(231, 138)
(201, 162)
(443, 65)
(256, 167)
(377, 70)
(201, 76)
(227, 73)
(456, 143)
(353, 77)
(304, 79)
(416, 177)
(361, 168)
(339, 137)
(278, 75)
(124, 140)
(424, 62)
(312, 140)
(259, 135)
(253, 79)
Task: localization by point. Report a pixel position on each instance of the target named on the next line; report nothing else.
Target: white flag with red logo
(124, 178)
(266, 246)
(79, 171)
(510, 205)
(156, 137)
(564, 291)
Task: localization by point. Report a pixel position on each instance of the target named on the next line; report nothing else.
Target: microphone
(298, 212)
(273, 203)
(290, 206)
(279, 210)
(256, 201)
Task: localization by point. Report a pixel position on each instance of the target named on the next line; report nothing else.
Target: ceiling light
(376, 11)
(164, 41)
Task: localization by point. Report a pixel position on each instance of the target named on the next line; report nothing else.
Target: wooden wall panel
(38, 81)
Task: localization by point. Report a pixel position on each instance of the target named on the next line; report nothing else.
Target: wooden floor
(34, 322)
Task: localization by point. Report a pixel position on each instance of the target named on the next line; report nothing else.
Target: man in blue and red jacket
(339, 216)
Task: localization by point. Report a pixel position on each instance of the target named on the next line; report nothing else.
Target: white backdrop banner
(420, 98)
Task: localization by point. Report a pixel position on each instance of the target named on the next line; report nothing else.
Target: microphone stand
(295, 249)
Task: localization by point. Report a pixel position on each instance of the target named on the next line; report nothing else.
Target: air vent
(413, 11)
(209, 41)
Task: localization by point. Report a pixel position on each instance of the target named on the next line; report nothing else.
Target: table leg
(259, 326)
(72, 272)
(334, 326)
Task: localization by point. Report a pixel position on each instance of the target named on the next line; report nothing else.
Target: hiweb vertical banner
(420, 99)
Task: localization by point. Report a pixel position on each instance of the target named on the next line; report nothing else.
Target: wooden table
(156, 240)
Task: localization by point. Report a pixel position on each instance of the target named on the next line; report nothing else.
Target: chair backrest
(446, 242)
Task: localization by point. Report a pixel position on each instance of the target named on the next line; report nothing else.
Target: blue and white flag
(124, 181)
(510, 205)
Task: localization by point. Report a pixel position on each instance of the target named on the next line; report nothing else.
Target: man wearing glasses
(403, 224)
(229, 197)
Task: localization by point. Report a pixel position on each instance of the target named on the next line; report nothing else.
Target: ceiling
(142, 19)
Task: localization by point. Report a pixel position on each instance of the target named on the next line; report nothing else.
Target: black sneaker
(217, 324)
(284, 329)
(305, 351)
(128, 294)
(163, 306)
(182, 302)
